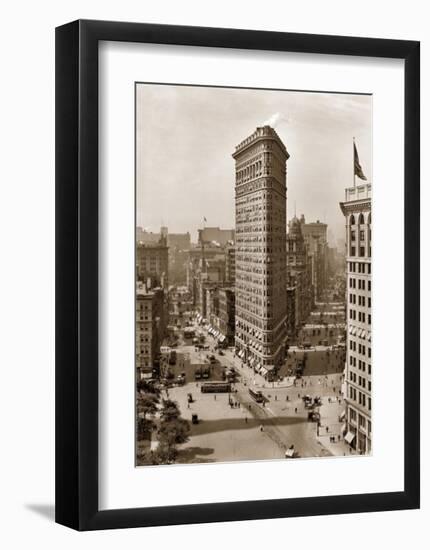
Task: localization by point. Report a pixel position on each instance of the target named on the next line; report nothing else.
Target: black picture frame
(77, 195)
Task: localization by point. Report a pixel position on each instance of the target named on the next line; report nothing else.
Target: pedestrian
(338, 438)
(261, 428)
(276, 398)
(295, 410)
(246, 420)
(215, 397)
(326, 429)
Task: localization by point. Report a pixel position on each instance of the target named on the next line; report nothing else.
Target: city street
(249, 430)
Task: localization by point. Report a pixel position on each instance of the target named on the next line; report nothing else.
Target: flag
(357, 167)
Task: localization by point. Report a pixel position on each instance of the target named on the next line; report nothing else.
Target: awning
(290, 452)
(349, 438)
(222, 338)
(369, 336)
(263, 371)
(342, 416)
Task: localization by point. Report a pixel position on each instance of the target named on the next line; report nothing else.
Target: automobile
(291, 452)
(314, 416)
(194, 419)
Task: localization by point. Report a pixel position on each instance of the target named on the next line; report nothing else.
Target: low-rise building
(150, 328)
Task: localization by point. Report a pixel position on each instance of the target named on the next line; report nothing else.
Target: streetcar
(256, 395)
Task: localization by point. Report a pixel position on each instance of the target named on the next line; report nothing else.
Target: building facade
(358, 372)
(215, 235)
(153, 263)
(299, 279)
(315, 237)
(260, 200)
(227, 315)
(150, 329)
(230, 264)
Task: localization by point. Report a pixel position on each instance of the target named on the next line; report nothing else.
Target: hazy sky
(186, 136)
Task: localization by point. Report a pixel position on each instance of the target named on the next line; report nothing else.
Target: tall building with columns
(358, 373)
(261, 199)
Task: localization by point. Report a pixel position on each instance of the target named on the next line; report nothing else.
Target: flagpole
(353, 161)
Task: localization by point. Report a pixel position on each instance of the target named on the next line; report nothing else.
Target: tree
(147, 387)
(163, 454)
(145, 427)
(169, 411)
(174, 432)
(146, 404)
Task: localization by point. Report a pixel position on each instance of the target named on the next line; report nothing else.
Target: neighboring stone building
(216, 235)
(153, 264)
(358, 373)
(227, 315)
(150, 329)
(179, 241)
(230, 263)
(261, 307)
(315, 236)
(206, 265)
(299, 279)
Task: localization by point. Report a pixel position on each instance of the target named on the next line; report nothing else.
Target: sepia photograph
(253, 274)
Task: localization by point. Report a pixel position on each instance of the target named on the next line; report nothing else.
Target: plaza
(233, 426)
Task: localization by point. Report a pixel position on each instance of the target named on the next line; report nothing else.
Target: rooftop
(262, 132)
(358, 192)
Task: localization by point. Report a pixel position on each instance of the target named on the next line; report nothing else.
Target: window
(353, 235)
(352, 250)
(362, 253)
(361, 235)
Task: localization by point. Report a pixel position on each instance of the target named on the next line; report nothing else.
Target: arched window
(369, 218)
(361, 219)
(352, 220)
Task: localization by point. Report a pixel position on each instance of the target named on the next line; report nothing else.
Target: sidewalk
(330, 419)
